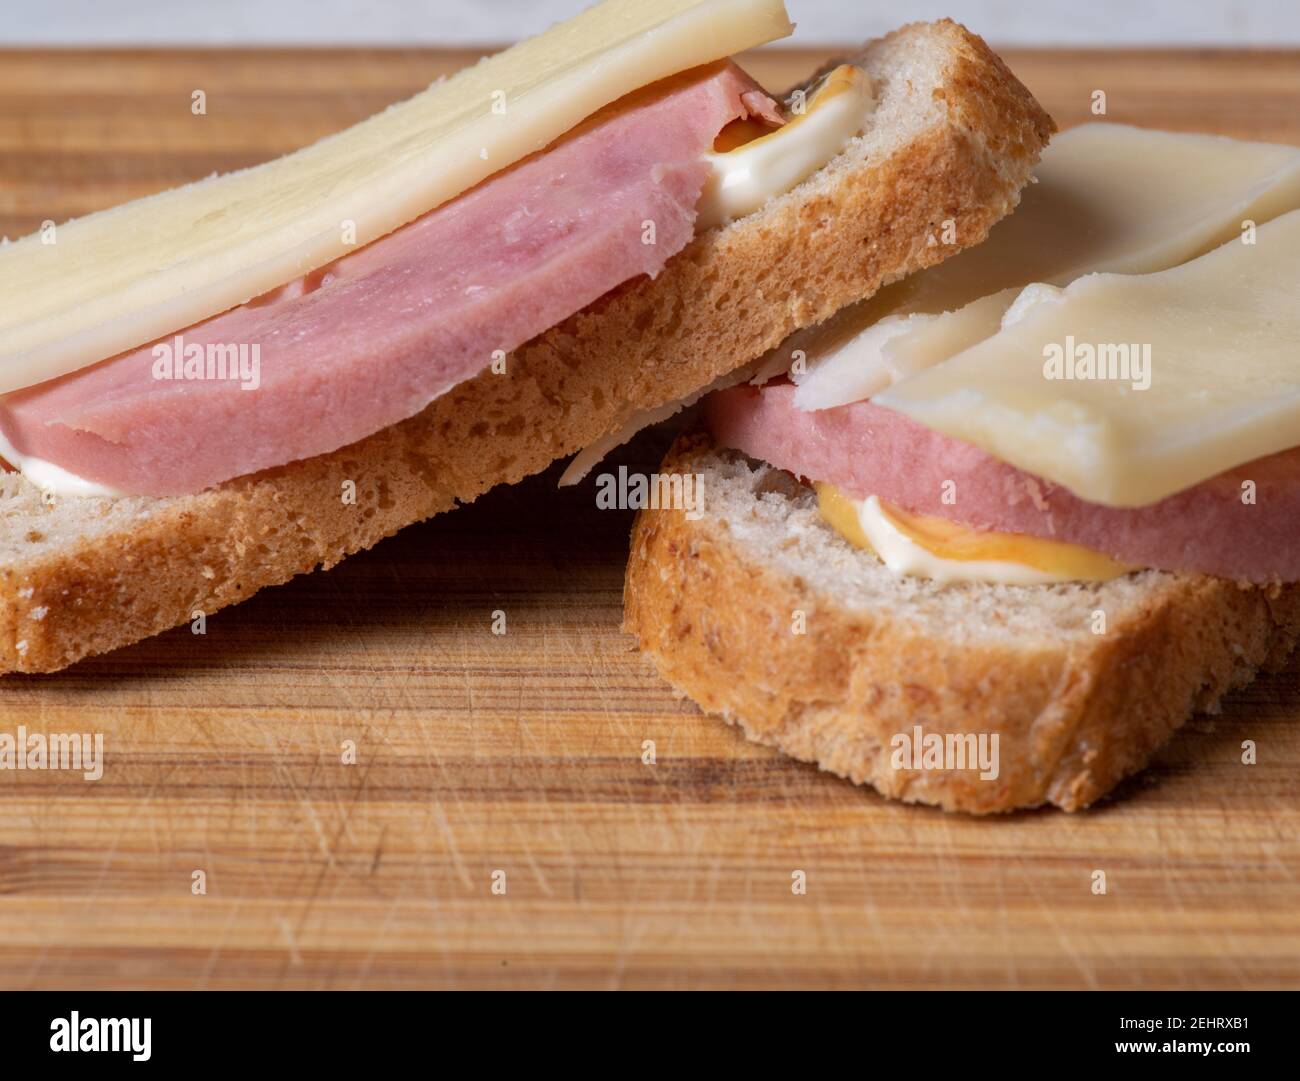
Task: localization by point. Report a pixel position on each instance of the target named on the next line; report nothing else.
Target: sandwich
(988, 538)
(216, 388)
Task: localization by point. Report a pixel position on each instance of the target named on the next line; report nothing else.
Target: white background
(459, 22)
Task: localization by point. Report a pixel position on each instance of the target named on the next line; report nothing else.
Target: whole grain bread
(764, 615)
(954, 138)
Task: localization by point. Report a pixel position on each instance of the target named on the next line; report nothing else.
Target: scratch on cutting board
(218, 946)
(379, 849)
(1050, 911)
(452, 847)
(286, 932)
(538, 873)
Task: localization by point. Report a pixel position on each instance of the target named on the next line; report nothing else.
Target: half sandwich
(454, 294)
(1041, 500)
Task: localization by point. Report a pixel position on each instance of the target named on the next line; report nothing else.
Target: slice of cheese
(921, 546)
(1108, 198)
(744, 173)
(123, 277)
(1062, 391)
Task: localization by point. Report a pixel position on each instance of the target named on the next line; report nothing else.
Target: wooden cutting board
(520, 755)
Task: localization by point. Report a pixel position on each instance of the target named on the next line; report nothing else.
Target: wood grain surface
(522, 753)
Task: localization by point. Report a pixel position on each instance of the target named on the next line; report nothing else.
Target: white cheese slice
(120, 278)
(1108, 198)
(1129, 388)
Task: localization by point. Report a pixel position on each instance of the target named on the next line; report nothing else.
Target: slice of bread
(954, 137)
(763, 614)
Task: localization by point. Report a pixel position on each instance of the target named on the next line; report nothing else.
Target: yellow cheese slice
(927, 547)
(1108, 198)
(1059, 391)
(749, 166)
(123, 277)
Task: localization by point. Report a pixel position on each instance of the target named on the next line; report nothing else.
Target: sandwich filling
(925, 546)
(372, 338)
(751, 163)
(110, 281)
(865, 449)
(1109, 382)
(375, 336)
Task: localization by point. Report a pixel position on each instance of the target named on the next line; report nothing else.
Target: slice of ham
(376, 336)
(867, 449)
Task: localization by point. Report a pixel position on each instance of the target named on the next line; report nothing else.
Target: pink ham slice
(866, 449)
(378, 335)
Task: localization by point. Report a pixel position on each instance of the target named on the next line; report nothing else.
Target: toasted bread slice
(762, 613)
(955, 137)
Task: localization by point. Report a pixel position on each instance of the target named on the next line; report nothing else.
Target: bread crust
(1073, 719)
(728, 297)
